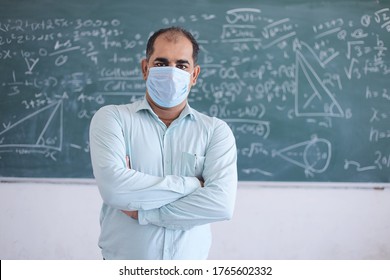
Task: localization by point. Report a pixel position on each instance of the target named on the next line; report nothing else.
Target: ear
(144, 68)
(195, 75)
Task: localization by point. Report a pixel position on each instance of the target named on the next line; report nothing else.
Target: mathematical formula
(286, 87)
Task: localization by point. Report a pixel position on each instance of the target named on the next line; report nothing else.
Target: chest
(158, 150)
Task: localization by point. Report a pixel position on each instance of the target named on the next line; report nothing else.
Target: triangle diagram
(313, 155)
(41, 129)
(312, 97)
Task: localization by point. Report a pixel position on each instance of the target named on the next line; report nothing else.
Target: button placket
(167, 152)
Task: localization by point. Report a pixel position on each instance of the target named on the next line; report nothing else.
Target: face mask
(168, 86)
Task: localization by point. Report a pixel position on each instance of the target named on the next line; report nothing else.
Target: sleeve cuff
(146, 217)
(191, 184)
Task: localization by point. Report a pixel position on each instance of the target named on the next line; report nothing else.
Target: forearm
(129, 189)
(207, 205)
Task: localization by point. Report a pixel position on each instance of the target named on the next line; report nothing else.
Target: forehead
(173, 47)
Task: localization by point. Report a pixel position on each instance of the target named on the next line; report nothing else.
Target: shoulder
(116, 111)
(205, 119)
(213, 124)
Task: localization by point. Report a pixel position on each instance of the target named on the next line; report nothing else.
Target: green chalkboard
(304, 85)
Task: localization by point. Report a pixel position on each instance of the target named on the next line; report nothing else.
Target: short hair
(174, 31)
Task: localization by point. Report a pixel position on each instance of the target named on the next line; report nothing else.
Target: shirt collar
(187, 111)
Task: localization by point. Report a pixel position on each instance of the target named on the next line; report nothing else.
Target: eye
(182, 66)
(160, 64)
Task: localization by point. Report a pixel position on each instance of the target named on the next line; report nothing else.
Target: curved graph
(313, 155)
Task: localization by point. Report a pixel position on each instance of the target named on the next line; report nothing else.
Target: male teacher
(164, 170)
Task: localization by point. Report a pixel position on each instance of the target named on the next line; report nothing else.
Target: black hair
(173, 30)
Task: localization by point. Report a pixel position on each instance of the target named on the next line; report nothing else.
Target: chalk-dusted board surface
(304, 85)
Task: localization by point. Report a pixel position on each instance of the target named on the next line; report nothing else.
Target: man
(164, 170)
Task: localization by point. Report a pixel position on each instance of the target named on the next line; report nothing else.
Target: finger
(128, 162)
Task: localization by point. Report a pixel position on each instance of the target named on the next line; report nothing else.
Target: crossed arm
(178, 202)
(134, 214)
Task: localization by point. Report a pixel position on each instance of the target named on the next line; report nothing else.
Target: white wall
(60, 221)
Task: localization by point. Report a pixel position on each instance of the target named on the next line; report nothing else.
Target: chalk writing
(297, 92)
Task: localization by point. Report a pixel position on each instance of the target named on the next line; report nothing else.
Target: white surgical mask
(168, 86)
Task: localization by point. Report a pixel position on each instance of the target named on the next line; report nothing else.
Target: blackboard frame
(253, 76)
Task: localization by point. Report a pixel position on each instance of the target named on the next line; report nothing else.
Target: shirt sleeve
(215, 201)
(119, 186)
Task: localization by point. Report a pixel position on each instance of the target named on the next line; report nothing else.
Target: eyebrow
(165, 60)
(183, 61)
(161, 59)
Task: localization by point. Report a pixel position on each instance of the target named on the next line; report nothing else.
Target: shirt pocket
(192, 165)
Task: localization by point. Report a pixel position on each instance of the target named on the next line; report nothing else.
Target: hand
(201, 180)
(128, 162)
(131, 214)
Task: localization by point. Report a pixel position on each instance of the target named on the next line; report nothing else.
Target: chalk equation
(306, 99)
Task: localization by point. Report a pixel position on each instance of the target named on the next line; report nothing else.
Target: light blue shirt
(162, 183)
